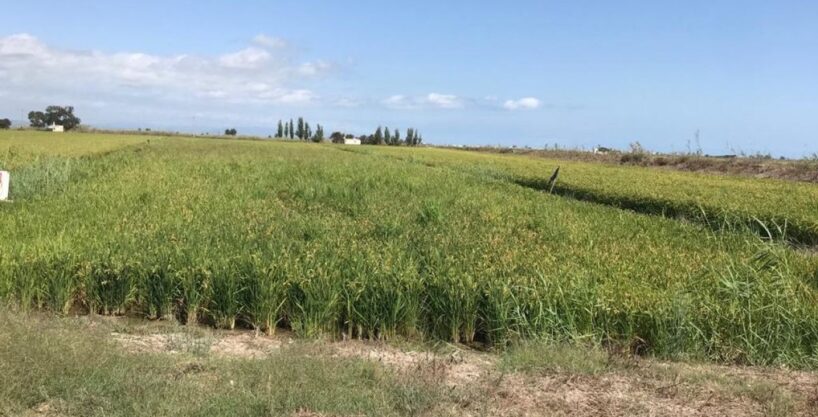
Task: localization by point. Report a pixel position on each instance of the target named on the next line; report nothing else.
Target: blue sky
(743, 73)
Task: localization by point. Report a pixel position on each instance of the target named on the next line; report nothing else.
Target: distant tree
(292, 129)
(300, 129)
(319, 134)
(280, 130)
(63, 116)
(307, 131)
(5, 123)
(37, 119)
(378, 139)
(230, 132)
(387, 136)
(410, 136)
(396, 137)
(59, 115)
(337, 137)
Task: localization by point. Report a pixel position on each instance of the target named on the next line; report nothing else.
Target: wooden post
(553, 180)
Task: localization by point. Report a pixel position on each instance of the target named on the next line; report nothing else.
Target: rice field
(773, 208)
(378, 243)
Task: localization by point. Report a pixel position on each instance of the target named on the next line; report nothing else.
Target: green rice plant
(380, 304)
(264, 285)
(225, 302)
(45, 175)
(766, 315)
(314, 297)
(194, 287)
(451, 300)
(25, 284)
(158, 287)
(61, 284)
(109, 286)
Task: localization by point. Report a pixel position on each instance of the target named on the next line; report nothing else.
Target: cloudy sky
(743, 73)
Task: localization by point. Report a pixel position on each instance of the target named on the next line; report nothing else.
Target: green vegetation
(378, 242)
(548, 357)
(782, 209)
(70, 368)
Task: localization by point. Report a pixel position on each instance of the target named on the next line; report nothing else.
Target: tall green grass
(350, 244)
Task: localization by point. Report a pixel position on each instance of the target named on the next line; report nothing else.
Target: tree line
(300, 129)
(385, 136)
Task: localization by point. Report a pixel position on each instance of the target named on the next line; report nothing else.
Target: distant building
(56, 128)
(352, 141)
(602, 150)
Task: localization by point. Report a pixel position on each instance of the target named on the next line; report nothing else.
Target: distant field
(783, 209)
(374, 242)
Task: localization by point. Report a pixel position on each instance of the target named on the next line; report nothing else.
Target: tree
(300, 129)
(5, 123)
(230, 132)
(387, 136)
(307, 131)
(292, 129)
(280, 130)
(396, 137)
(319, 134)
(337, 137)
(37, 119)
(410, 136)
(54, 115)
(378, 139)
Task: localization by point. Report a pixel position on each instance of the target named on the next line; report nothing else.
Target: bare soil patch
(228, 344)
(473, 384)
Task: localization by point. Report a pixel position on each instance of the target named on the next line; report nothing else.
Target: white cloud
(269, 42)
(400, 101)
(255, 74)
(444, 101)
(314, 68)
(297, 97)
(248, 58)
(526, 103)
(431, 100)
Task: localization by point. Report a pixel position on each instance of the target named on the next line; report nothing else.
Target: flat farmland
(381, 242)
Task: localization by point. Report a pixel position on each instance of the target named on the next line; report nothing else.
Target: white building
(352, 141)
(56, 128)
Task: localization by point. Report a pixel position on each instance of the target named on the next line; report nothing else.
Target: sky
(744, 74)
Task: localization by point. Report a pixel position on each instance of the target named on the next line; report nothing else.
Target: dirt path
(475, 384)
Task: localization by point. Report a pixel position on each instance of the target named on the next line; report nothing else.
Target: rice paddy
(378, 243)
